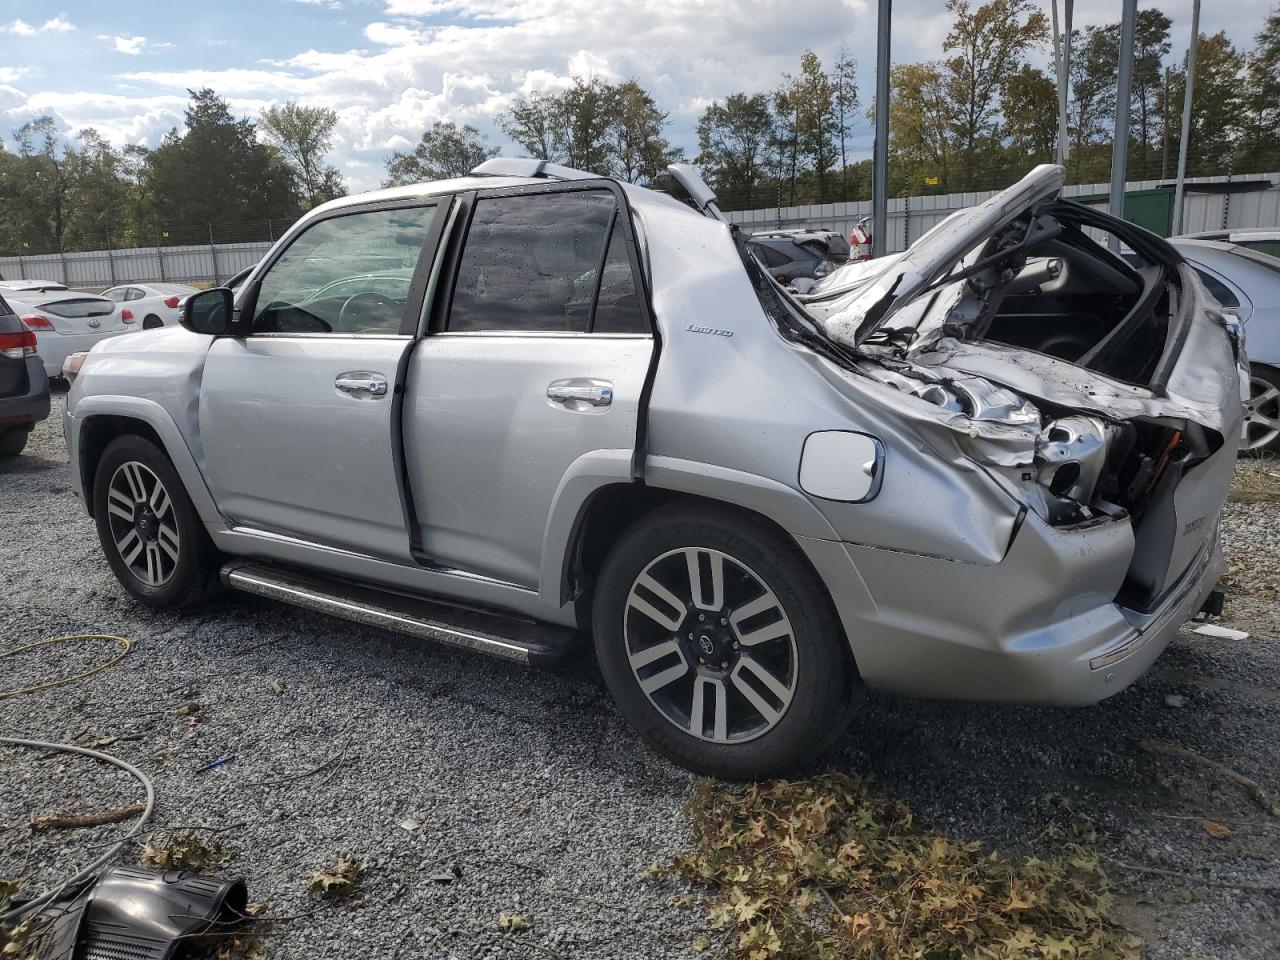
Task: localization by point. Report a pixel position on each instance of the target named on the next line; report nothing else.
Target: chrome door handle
(597, 393)
(362, 381)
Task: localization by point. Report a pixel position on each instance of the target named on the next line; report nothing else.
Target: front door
(539, 354)
(296, 415)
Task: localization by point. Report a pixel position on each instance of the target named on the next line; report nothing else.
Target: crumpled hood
(853, 303)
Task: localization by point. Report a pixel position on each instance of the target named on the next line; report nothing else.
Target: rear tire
(741, 674)
(1262, 412)
(13, 441)
(149, 530)
(151, 321)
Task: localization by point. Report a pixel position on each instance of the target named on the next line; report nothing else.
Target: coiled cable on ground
(124, 642)
(50, 895)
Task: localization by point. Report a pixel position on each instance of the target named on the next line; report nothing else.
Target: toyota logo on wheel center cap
(707, 644)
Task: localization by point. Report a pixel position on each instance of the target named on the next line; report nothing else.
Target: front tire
(719, 644)
(150, 533)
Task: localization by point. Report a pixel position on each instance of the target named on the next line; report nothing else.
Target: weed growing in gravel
(826, 868)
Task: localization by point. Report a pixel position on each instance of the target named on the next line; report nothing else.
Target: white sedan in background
(66, 322)
(150, 304)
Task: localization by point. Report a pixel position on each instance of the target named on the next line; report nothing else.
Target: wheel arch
(611, 508)
(99, 420)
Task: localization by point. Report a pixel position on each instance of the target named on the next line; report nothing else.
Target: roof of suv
(500, 172)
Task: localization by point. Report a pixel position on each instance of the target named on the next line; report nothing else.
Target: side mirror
(209, 311)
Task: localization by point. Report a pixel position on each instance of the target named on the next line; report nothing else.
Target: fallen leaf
(337, 881)
(514, 922)
(1219, 831)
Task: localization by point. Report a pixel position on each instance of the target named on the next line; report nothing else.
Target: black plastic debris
(135, 914)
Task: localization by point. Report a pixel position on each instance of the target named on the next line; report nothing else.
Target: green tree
(98, 197)
(816, 125)
(215, 171)
(584, 122)
(1261, 135)
(304, 135)
(734, 146)
(531, 123)
(445, 150)
(844, 89)
(988, 44)
(1030, 108)
(640, 150)
(42, 199)
(1217, 106)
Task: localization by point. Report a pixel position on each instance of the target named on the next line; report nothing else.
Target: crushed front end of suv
(988, 468)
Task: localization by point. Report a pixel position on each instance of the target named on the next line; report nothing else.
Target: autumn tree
(922, 118)
(987, 45)
(304, 135)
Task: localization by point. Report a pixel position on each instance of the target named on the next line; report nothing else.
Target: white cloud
(127, 45)
(20, 28)
(11, 74)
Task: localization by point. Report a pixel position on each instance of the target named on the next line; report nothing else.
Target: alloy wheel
(710, 645)
(143, 525)
(1261, 414)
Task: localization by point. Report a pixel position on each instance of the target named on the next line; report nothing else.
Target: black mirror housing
(209, 311)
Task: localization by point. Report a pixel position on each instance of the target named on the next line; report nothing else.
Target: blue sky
(391, 67)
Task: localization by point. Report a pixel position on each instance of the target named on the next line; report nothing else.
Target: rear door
(298, 413)
(540, 346)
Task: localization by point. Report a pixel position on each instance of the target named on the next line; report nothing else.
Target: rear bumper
(1040, 627)
(32, 406)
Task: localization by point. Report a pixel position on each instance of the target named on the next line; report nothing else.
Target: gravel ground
(415, 759)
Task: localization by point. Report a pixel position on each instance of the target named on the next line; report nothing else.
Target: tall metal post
(1060, 64)
(880, 162)
(1124, 92)
(1187, 94)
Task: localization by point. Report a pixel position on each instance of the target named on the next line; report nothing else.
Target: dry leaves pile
(826, 868)
(186, 851)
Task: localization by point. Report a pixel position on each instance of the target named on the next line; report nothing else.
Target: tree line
(973, 119)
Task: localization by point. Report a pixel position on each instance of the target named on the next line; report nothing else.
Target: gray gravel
(532, 785)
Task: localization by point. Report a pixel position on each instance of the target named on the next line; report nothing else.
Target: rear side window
(618, 305)
(530, 264)
(1220, 291)
(79, 308)
(771, 257)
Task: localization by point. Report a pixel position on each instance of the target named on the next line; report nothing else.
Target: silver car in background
(1246, 282)
(990, 467)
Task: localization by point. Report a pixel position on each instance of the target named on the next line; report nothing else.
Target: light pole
(1188, 91)
(880, 161)
(1124, 91)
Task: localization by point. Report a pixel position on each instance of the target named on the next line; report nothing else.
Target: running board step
(499, 635)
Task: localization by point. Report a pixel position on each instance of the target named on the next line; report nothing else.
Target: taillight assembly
(172, 302)
(126, 316)
(15, 346)
(36, 322)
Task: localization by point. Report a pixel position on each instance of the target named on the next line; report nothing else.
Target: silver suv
(990, 467)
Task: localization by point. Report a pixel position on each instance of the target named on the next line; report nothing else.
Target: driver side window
(345, 275)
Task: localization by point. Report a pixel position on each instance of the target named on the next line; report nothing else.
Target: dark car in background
(791, 255)
(24, 387)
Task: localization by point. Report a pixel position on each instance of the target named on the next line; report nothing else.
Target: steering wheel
(367, 300)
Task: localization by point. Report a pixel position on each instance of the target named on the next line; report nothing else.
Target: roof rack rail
(529, 167)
